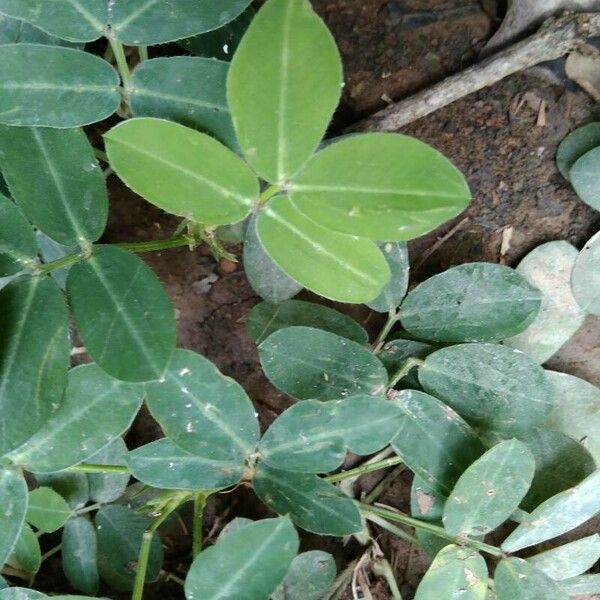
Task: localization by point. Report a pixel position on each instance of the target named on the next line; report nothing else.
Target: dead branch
(556, 37)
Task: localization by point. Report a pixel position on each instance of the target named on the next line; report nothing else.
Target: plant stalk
(94, 468)
(143, 52)
(404, 370)
(122, 65)
(199, 504)
(366, 468)
(393, 318)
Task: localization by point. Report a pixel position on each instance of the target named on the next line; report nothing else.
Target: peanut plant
(452, 388)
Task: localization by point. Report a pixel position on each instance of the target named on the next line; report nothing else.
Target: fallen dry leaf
(583, 67)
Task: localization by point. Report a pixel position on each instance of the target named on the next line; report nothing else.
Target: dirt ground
(504, 139)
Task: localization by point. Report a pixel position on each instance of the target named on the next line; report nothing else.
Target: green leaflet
(310, 576)
(516, 579)
(492, 387)
(396, 254)
(311, 502)
(575, 145)
(27, 554)
(569, 560)
(13, 498)
(107, 487)
(557, 515)
(548, 268)
(427, 504)
(123, 314)
(380, 186)
(235, 566)
(309, 363)
(560, 463)
(35, 357)
(18, 247)
(75, 432)
(455, 572)
(50, 86)
(264, 276)
(286, 56)
(119, 530)
(312, 436)
(79, 555)
(182, 171)
(584, 584)
(202, 411)
(490, 490)
(576, 410)
(584, 177)
(584, 278)
(73, 487)
(266, 318)
(470, 303)
(58, 166)
(337, 266)
(14, 31)
(433, 441)
(47, 510)
(185, 89)
(162, 464)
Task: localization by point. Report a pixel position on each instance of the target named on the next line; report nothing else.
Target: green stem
(51, 552)
(87, 509)
(122, 65)
(411, 539)
(380, 487)
(94, 468)
(143, 52)
(431, 528)
(404, 370)
(269, 193)
(101, 155)
(393, 317)
(60, 263)
(199, 504)
(382, 568)
(366, 468)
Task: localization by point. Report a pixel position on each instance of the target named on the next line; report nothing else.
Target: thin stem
(87, 509)
(143, 52)
(142, 565)
(51, 552)
(156, 245)
(94, 468)
(60, 263)
(366, 468)
(393, 529)
(378, 489)
(101, 155)
(122, 65)
(404, 370)
(269, 193)
(393, 317)
(431, 528)
(199, 504)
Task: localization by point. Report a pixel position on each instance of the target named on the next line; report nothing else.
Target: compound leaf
(182, 171)
(59, 166)
(79, 550)
(107, 487)
(309, 577)
(584, 178)
(123, 314)
(309, 363)
(516, 579)
(470, 303)
(47, 510)
(18, 246)
(575, 145)
(585, 280)
(234, 566)
(13, 499)
(396, 254)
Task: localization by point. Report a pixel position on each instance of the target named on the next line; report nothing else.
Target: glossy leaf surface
(396, 254)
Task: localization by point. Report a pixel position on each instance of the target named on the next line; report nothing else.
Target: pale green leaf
(47, 510)
(516, 579)
(249, 563)
(18, 247)
(13, 500)
(396, 254)
(585, 279)
(19, 593)
(162, 464)
(309, 577)
(266, 318)
(584, 177)
(79, 551)
(75, 431)
(492, 387)
(470, 303)
(490, 490)
(286, 57)
(59, 166)
(35, 357)
(119, 531)
(584, 584)
(575, 145)
(182, 171)
(202, 411)
(557, 515)
(433, 441)
(548, 268)
(50, 86)
(455, 573)
(27, 554)
(309, 363)
(312, 503)
(337, 266)
(381, 186)
(123, 314)
(234, 525)
(107, 487)
(185, 89)
(73, 487)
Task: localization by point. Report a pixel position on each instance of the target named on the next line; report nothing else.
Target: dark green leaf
(380, 186)
(73, 487)
(286, 56)
(34, 357)
(120, 530)
(107, 487)
(575, 145)
(185, 89)
(469, 303)
(203, 411)
(79, 555)
(162, 464)
(311, 502)
(236, 566)
(308, 363)
(396, 254)
(492, 387)
(123, 314)
(266, 318)
(490, 490)
(584, 280)
(47, 510)
(95, 410)
(310, 576)
(584, 177)
(59, 166)
(182, 171)
(27, 554)
(516, 579)
(13, 499)
(14, 31)
(433, 441)
(50, 86)
(18, 248)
